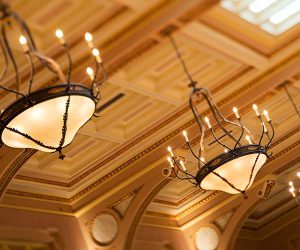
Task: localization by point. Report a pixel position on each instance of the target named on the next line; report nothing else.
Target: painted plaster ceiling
(144, 106)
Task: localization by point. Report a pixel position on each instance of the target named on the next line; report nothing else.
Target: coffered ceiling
(144, 102)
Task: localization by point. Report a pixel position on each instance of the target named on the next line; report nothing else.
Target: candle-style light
(170, 151)
(255, 109)
(185, 136)
(235, 111)
(23, 42)
(90, 73)
(182, 165)
(170, 161)
(248, 139)
(266, 114)
(89, 39)
(207, 122)
(96, 54)
(60, 35)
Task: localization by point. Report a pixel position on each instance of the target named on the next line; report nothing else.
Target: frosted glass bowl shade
(43, 119)
(237, 166)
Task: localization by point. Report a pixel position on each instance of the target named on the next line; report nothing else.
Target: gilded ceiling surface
(144, 108)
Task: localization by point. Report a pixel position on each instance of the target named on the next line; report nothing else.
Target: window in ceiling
(273, 16)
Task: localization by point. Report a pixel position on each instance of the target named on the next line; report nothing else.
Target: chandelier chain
(179, 56)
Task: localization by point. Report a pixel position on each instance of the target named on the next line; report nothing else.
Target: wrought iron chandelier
(295, 190)
(234, 170)
(49, 118)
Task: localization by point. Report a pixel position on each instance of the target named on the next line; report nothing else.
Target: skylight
(273, 16)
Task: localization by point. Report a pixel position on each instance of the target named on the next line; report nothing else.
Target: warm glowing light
(23, 42)
(291, 183)
(170, 151)
(285, 13)
(248, 139)
(96, 54)
(259, 5)
(89, 39)
(237, 171)
(256, 109)
(182, 165)
(30, 122)
(226, 150)
(90, 72)
(292, 189)
(235, 111)
(266, 114)
(298, 174)
(60, 35)
(265, 128)
(202, 159)
(170, 161)
(185, 135)
(207, 122)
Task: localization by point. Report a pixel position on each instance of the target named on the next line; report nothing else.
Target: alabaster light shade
(237, 172)
(44, 122)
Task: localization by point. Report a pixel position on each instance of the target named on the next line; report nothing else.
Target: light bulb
(182, 165)
(235, 111)
(60, 35)
(23, 42)
(96, 54)
(185, 135)
(89, 39)
(265, 128)
(266, 114)
(292, 189)
(226, 150)
(298, 174)
(248, 139)
(256, 109)
(170, 151)
(207, 122)
(170, 161)
(90, 72)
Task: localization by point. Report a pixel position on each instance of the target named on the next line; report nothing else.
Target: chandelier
(49, 118)
(233, 170)
(295, 190)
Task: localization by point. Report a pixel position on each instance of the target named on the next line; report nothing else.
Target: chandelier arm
(272, 136)
(199, 123)
(65, 120)
(104, 74)
(32, 71)
(252, 170)
(263, 130)
(69, 73)
(192, 182)
(193, 153)
(224, 118)
(32, 44)
(226, 181)
(242, 133)
(217, 140)
(215, 111)
(30, 138)
(13, 61)
(180, 178)
(179, 168)
(4, 72)
(54, 65)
